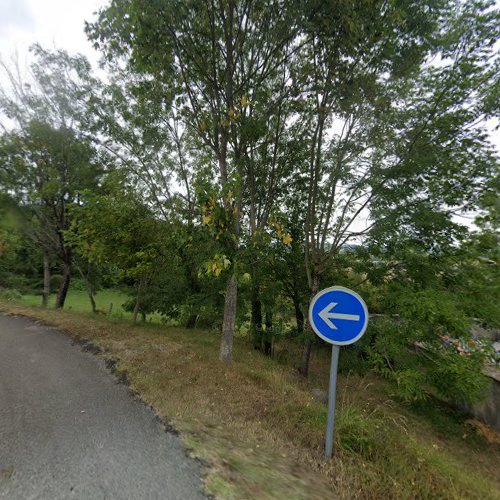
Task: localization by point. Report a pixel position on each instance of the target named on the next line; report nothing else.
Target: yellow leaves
(202, 126)
(218, 264)
(232, 116)
(284, 236)
(208, 210)
(244, 102)
(234, 113)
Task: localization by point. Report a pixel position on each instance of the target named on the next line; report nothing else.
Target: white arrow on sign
(327, 315)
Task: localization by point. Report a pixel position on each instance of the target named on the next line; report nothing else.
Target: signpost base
(332, 391)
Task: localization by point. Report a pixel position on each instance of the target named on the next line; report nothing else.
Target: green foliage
(416, 373)
(411, 385)
(133, 242)
(9, 294)
(430, 311)
(458, 378)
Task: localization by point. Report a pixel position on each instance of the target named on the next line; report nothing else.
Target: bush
(10, 294)
(457, 377)
(55, 282)
(78, 284)
(434, 368)
(18, 282)
(430, 311)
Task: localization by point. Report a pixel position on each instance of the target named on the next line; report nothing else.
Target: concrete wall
(488, 411)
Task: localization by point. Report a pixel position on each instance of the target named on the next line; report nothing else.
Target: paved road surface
(69, 430)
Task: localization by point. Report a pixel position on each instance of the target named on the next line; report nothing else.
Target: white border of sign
(315, 328)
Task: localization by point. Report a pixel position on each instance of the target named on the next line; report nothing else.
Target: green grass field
(108, 301)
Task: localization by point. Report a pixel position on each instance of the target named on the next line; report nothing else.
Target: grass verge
(109, 302)
(260, 432)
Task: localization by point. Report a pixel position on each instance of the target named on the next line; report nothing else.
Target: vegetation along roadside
(260, 432)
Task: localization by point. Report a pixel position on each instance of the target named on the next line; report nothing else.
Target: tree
(211, 79)
(114, 228)
(393, 138)
(46, 157)
(358, 101)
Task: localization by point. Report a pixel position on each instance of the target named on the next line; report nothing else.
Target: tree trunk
(90, 293)
(137, 301)
(299, 315)
(191, 321)
(89, 286)
(143, 317)
(268, 338)
(46, 279)
(63, 289)
(306, 357)
(306, 351)
(256, 318)
(226, 344)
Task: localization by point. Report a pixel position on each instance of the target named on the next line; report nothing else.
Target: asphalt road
(69, 430)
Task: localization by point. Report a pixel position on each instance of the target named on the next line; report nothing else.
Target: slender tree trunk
(143, 315)
(63, 289)
(299, 315)
(306, 351)
(89, 287)
(268, 339)
(46, 279)
(256, 318)
(226, 344)
(90, 293)
(306, 356)
(191, 321)
(137, 301)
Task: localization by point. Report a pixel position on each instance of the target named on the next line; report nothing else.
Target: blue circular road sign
(338, 315)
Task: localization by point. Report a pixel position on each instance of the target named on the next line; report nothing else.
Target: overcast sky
(52, 23)
(58, 24)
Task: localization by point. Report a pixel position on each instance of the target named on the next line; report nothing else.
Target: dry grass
(260, 432)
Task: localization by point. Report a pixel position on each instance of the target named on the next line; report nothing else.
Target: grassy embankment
(260, 432)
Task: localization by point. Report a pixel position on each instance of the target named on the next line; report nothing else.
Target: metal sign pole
(340, 317)
(331, 401)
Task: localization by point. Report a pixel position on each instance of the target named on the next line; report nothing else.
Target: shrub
(78, 284)
(55, 281)
(457, 377)
(9, 294)
(432, 368)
